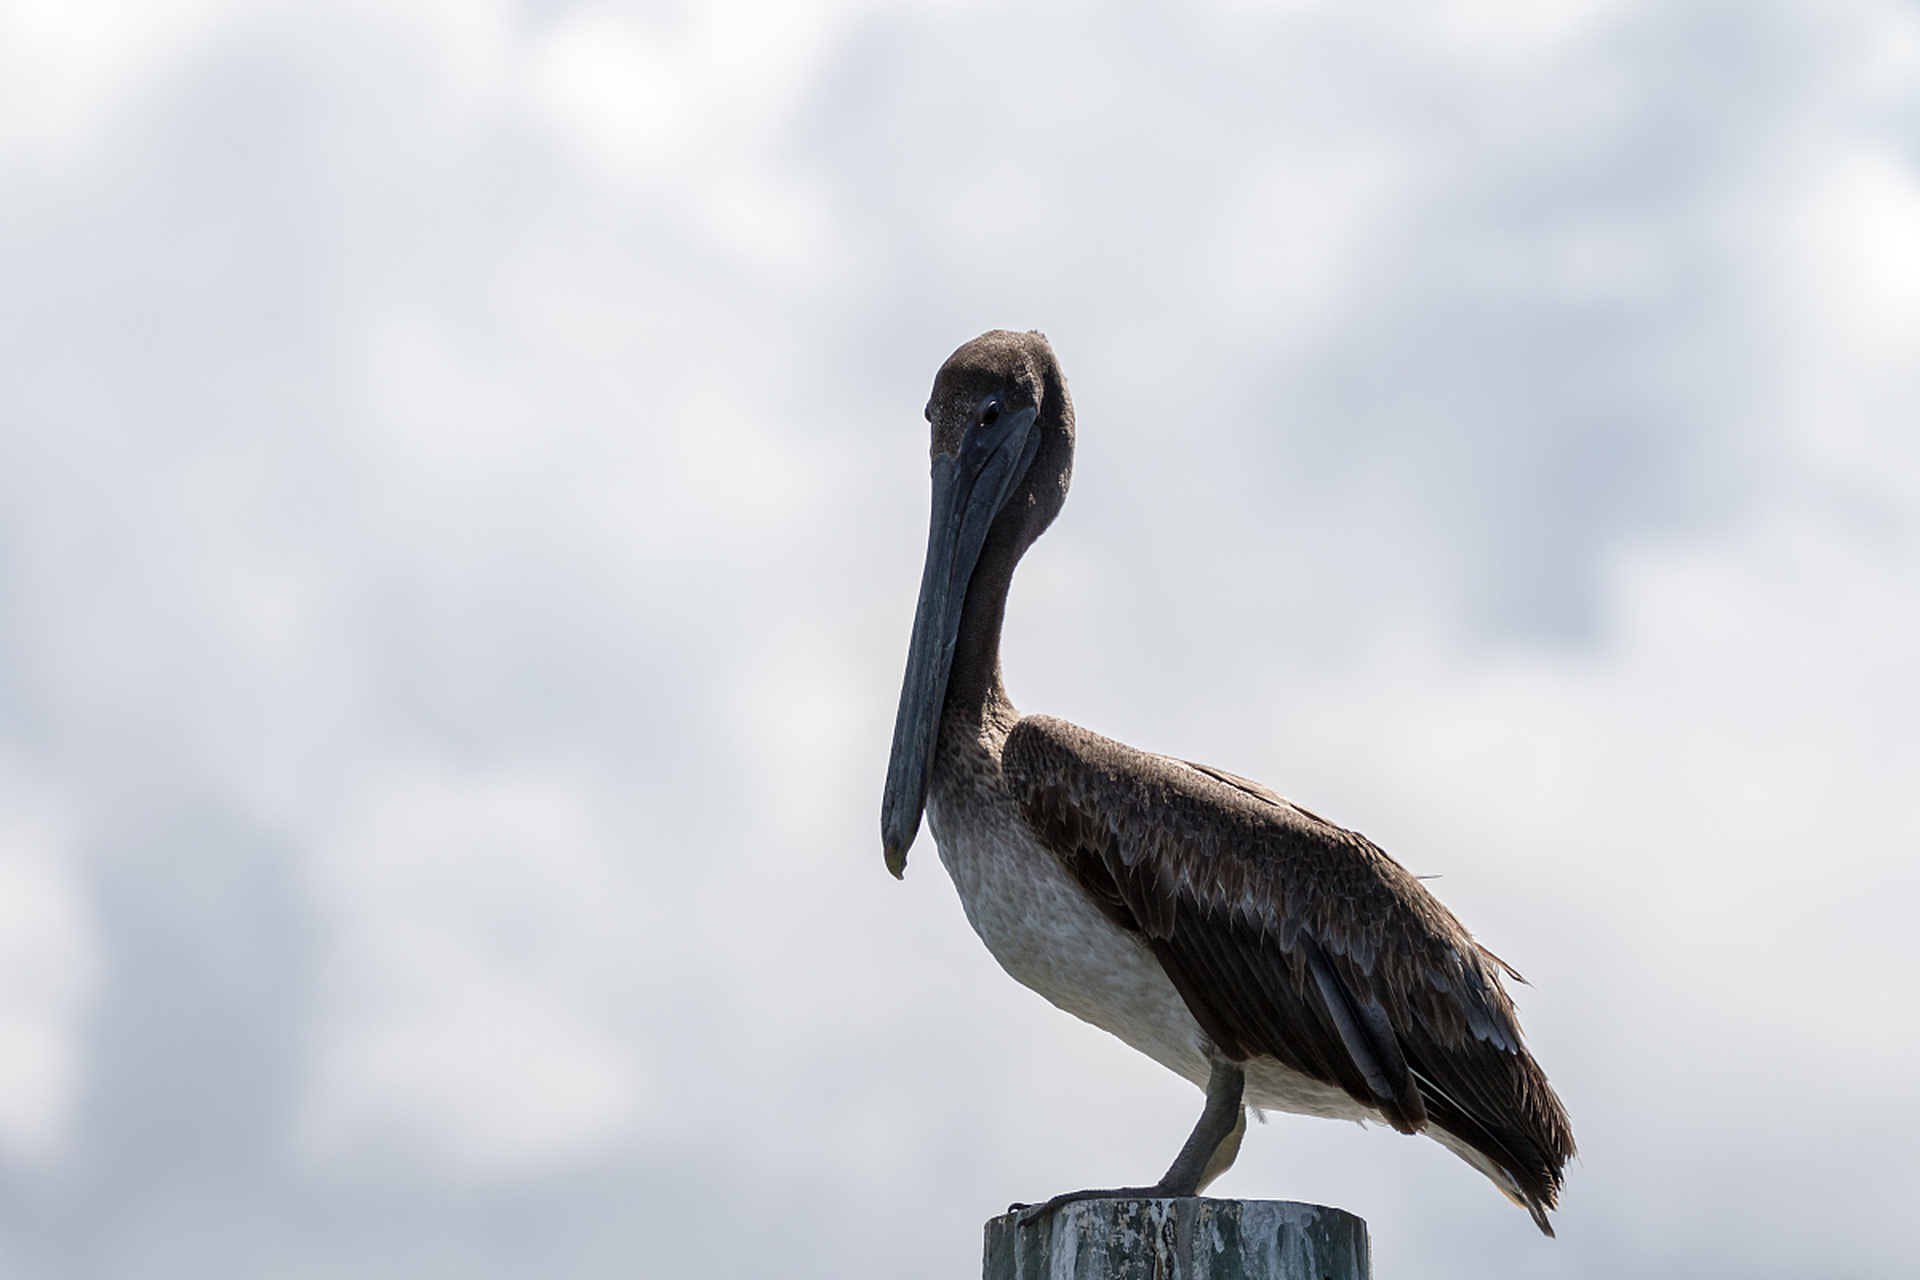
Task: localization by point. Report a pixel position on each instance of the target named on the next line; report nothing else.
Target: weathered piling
(1191, 1238)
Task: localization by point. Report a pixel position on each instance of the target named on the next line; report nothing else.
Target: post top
(1190, 1238)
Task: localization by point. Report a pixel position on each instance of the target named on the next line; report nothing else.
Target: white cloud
(49, 967)
(68, 67)
(463, 1018)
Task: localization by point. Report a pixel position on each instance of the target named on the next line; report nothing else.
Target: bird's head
(1002, 445)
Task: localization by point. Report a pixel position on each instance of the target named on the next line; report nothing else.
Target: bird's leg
(1224, 1154)
(1223, 1119)
(1209, 1151)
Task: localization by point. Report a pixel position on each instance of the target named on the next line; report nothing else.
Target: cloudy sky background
(462, 490)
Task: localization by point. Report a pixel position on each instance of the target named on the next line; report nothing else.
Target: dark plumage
(1312, 971)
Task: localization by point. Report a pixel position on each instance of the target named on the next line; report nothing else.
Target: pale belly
(1044, 932)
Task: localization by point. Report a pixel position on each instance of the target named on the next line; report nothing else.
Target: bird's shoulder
(1091, 790)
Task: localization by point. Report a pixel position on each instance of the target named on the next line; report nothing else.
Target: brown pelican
(1274, 959)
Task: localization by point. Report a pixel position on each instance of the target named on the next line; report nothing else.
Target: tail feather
(1513, 1161)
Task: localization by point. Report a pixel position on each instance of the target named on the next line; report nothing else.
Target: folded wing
(1294, 939)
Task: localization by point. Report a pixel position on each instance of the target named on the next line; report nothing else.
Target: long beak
(968, 492)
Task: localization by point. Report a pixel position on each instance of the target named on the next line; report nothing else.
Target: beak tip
(897, 862)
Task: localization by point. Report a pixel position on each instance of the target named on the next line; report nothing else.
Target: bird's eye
(990, 414)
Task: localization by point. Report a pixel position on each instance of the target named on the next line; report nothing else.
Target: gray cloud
(460, 505)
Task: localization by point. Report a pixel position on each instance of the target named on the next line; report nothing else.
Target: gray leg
(1223, 1155)
(1222, 1118)
(1209, 1152)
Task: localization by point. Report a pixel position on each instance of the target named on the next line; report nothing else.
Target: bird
(1272, 958)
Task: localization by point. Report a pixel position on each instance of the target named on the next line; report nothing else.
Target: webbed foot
(1031, 1213)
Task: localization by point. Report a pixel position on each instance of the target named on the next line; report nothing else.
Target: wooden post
(1192, 1238)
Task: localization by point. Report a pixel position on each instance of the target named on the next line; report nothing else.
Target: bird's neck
(975, 692)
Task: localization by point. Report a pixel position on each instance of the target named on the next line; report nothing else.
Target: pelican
(1270, 957)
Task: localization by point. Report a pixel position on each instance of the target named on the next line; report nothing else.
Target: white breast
(1045, 932)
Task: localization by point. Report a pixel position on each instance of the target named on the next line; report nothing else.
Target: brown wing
(1292, 938)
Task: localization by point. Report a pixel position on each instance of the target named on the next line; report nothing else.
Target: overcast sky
(462, 490)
